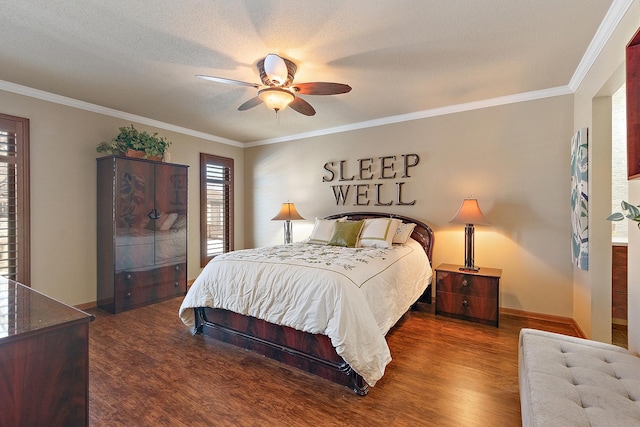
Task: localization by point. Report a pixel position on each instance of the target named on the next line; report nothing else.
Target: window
(216, 206)
(14, 199)
(14, 214)
(619, 188)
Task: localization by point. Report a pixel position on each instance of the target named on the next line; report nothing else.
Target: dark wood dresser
(142, 232)
(44, 360)
(468, 295)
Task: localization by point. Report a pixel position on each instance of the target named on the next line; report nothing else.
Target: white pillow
(403, 232)
(181, 222)
(378, 232)
(167, 221)
(322, 230)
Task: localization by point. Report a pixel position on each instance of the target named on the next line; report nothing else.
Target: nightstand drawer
(467, 284)
(467, 307)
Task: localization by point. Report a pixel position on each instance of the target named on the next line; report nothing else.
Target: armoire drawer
(133, 279)
(134, 297)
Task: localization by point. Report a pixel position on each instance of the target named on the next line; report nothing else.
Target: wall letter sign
(367, 169)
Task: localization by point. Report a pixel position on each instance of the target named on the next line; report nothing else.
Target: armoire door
(171, 204)
(135, 213)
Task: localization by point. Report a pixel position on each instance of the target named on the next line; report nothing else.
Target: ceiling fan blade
(302, 107)
(228, 81)
(250, 103)
(321, 88)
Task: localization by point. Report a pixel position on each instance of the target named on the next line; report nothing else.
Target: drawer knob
(128, 277)
(177, 268)
(465, 282)
(176, 284)
(465, 303)
(128, 295)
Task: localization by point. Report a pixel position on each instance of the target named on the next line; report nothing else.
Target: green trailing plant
(131, 138)
(628, 211)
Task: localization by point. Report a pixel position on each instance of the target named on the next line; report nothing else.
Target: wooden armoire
(142, 232)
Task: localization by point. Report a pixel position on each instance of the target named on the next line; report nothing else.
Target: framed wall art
(580, 199)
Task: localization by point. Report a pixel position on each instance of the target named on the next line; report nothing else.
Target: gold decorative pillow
(346, 233)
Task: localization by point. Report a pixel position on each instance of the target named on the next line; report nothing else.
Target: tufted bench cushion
(567, 381)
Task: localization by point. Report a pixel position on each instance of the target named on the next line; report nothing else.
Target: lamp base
(472, 269)
(288, 233)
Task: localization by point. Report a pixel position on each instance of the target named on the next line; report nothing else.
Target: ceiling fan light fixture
(276, 98)
(276, 69)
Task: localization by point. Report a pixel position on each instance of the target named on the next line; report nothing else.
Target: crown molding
(87, 106)
(608, 25)
(452, 109)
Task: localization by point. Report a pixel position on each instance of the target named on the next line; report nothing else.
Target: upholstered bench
(567, 381)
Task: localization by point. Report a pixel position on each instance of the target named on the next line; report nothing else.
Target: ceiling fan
(277, 90)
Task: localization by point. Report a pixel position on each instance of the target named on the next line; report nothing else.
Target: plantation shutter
(216, 218)
(14, 199)
(14, 215)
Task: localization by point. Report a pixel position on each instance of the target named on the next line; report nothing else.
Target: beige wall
(513, 158)
(63, 192)
(592, 288)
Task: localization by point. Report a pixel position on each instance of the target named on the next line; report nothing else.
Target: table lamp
(470, 215)
(287, 213)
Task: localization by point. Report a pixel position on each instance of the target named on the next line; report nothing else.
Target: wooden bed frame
(310, 352)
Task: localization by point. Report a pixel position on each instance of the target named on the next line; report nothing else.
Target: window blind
(9, 225)
(217, 206)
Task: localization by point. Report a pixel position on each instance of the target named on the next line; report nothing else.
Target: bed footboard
(312, 353)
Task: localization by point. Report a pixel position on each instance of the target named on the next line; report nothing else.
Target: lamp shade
(469, 213)
(287, 212)
(276, 69)
(276, 98)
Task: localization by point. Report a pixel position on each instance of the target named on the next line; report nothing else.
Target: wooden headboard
(423, 234)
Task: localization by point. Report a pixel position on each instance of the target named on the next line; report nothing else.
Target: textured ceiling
(399, 56)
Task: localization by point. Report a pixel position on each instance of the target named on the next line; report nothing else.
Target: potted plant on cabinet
(133, 143)
(628, 211)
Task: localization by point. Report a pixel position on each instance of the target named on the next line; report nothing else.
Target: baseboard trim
(546, 317)
(86, 306)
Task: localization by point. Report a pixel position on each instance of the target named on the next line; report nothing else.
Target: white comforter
(352, 295)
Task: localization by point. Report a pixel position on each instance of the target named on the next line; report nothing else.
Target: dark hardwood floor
(147, 369)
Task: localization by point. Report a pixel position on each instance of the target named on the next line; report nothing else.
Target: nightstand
(468, 295)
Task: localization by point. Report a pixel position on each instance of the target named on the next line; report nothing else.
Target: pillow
(378, 232)
(322, 230)
(403, 232)
(181, 222)
(346, 233)
(167, 220)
